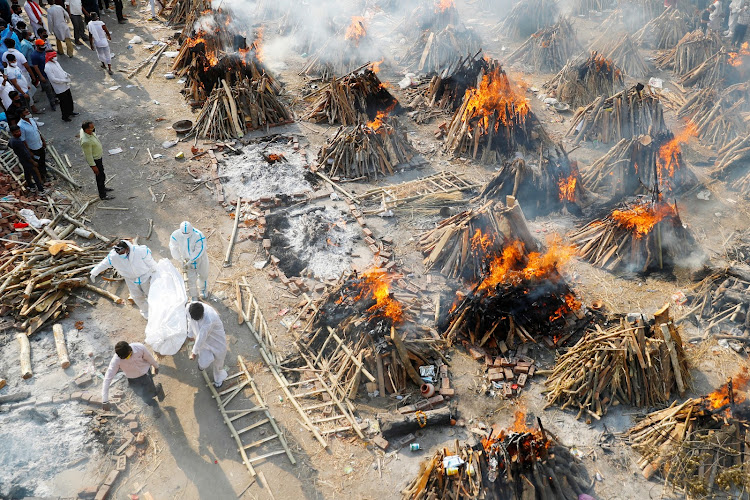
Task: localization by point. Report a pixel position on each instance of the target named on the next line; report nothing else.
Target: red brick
(103, 493)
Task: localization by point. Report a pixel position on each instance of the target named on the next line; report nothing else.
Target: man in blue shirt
(34, 141)
(7, 32)
(37, 62)
(27, 162)
(27, 45)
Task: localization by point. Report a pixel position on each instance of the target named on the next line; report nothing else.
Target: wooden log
(404, 355)
(24, 355)
(393, 425)
(62, 349)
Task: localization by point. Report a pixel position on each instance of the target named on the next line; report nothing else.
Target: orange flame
(258, 44)
(375, 67)
(567, 187)
(380, 116)
(376, 283)
(519, 422)
(642, 218)
(356, 29)
(735, 58)
(720, 396)
(443, 5)
(670, 153)
(495, 95)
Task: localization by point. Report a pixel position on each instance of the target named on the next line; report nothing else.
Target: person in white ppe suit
(136, 265)
(188, 246)
(204, 324)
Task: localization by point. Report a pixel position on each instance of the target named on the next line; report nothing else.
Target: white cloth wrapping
(210, 341)
(166, 330)
(57, 76)
(57, 20)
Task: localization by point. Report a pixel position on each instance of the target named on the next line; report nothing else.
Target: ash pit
(318, 238)
(266, 170)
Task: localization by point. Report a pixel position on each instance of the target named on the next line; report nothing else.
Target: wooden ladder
(250, 413)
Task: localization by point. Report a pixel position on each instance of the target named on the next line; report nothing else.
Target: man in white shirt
(204, 324)
(35, 15)
(99, 40)
(57, 19)
(23, 64)
(76, 11)
(136, 362)
(15, 76)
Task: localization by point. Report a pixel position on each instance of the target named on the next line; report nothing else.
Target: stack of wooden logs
(641, 235)
(583, 7)
(336, 57)
(526, 18)
(664, 31)
(711, 72)
(698, 446)
(636, 363)
(461, 245)
(720, 303)
(731, 163)
(619, 47)
(232, 111)
(494, 120)
(718, 115)
(549, 48)
(582, 81)
(639, 165)
(179, 11)
(690, 52)
(434, 52)
(349, 99)
(629, 113)
(366, 151)
(514, 464)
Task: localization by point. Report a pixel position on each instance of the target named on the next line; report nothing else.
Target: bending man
(188, 246)
(135, 360)
(136, 265)
(204, 324)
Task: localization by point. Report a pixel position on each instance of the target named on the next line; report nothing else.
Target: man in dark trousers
(35, 142)
(136, 362)
(92, 150)
(26, 159)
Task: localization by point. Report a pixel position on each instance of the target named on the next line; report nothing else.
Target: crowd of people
(729, 18)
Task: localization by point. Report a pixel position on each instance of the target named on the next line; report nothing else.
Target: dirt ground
(191, 454)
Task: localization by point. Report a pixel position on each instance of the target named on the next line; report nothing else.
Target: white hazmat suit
(210, 341)
(137, 268)
(188, 246)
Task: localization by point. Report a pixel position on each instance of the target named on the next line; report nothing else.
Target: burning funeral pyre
(341, 55)
(718, 116)
(361, 319)
(619, 47)
(644, 234)
(526, 18)
(582, 81)
(663, 32)
(700, 446)
(549, 48)
(732, 164)
(629, 113)
(437, 51)
(368, 151)
(725, 67)
(690, 52)
(636, 363)
(433, 15)
(352, 99)
(517, 464)
(545, 188)
(643, 165)
(494, 119)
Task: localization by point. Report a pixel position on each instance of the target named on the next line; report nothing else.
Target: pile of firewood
(519, 463)
(700, 445)
(583, 7)
(436, 51)
(690, 52)
(581, 81)
(547, 187)
(335, 58)
(178, 12)
(720, 303)
(629, 113)
(664, 31)
(619, 47)
(494, 119)
(634, 363)
(642, 234)
(366, 151)
(718, 115)
(732, 164)
(349, 100)
(711, 72)
(39, 276)
(526, 18)
(549, 48)
(460, 246)
(642, 164)
(231, 112)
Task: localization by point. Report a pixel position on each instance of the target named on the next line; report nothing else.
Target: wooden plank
(664, 328)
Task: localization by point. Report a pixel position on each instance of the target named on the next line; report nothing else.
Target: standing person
(16, 17)
(136, 265)
(58, 19)
(89, 7)
(34, 13)
(716, 18)
(92, 150)
(99, 37)
(5, 33)
(35, 142)
(153, 10)
(743, 19)
(76, 11)
(13, 111)
(5, 10)
(188, 246)
(23, 64)
(38, 64)
(44, 36)
(15, 143)
(734, 11)
(60, 81)
(27, 44)
(136, 362)
(118, 11)
(204, 324)
(16, 78)
(706, 18)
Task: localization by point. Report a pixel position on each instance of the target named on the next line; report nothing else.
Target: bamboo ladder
(443, 182)
(248, 415)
